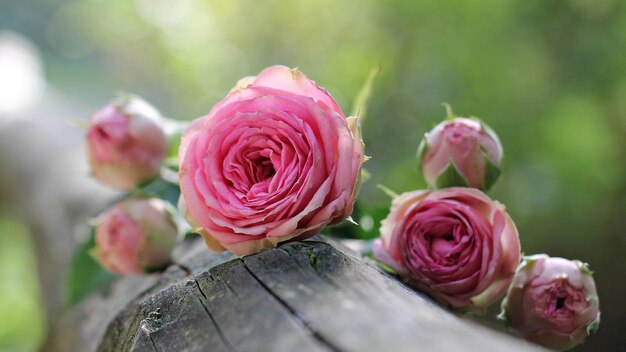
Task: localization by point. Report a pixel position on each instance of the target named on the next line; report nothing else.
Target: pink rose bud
(126, 143)
(135, 236)
(460, 152)
(275, 160)
(552, 302)
(457, 245)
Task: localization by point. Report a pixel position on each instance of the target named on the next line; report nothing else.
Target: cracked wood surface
(303, 296)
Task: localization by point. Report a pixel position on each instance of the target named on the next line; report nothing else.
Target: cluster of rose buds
(126, 146)
(277, 160)
(463, 249)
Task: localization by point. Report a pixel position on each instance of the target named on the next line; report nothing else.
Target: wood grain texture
(303, 296)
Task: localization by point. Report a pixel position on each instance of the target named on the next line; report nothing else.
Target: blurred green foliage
(547, 75)
(85, 274)
(21, 327)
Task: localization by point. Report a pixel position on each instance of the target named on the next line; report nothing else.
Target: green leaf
(388, 191)
(191, 233)
(449, 113)
(421, 151)
(593, 326)
(160, 188)
(450, 177)
(174, 130)
(85, 274)
(384, 266)
(361, 101)
(365, 175)
(529, 261)
(492, 172)
(503, 316)
(171, 158)
(584, 267)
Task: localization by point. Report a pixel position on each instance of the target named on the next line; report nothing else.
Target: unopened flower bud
(126, 143)
(552, 302)
(136, 236)
(460, 152)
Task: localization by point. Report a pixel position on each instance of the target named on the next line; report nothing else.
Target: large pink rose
(126, 143)
(552, 301)
(135, 236)
(275, 160)
(460, 152)
(456, 244)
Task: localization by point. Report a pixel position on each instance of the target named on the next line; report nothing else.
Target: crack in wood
(299, 317)
(217, 327)
(153, 344)
(219, 278)
(195, 280)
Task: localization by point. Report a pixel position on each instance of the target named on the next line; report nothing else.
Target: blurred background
(548, 75)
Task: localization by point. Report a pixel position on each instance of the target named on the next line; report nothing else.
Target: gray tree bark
(303, 296)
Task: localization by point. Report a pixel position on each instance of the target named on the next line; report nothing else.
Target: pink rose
(456, 244)
(460, 152)
(552, 302)
(126, 143)
(273, 161)
(135, 236)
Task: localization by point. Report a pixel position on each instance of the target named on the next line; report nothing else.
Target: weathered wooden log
(303, 296)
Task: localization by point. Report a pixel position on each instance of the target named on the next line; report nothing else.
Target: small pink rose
(460, 152)
(135, 236)
(455, 244)
(275, 160)
(126, 143)
(552, 302)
